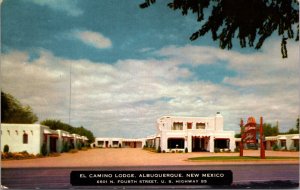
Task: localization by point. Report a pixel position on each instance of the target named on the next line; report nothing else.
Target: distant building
(194, 133)
(283, 142)
(118, 142)
(31, 137)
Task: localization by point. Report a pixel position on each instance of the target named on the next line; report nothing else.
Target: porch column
(48, 143)
(232, 144)
(211, 144)
(189, 143)
(59, 141)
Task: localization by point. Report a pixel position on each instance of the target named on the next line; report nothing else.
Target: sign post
(262, 146)
(241, 143)
(248, 135)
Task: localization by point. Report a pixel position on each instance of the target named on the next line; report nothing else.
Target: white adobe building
(118, 142)
(31, 137)
(194, 133)
(284, 142)
(288, 141)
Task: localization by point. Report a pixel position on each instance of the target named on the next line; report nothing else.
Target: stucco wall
(12, 135)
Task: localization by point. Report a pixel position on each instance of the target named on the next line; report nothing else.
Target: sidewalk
(138, 157)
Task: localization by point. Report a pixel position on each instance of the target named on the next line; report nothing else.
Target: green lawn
(238, 158)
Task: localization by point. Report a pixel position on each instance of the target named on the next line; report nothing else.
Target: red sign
(249, 135)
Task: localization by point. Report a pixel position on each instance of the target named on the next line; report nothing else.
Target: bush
(6, 155)
(120, 146)
(159, 149)
(78, 145)
(217, 150)
(17, 155)
(84, 148)
(44, 151)
(6, 148)
(66, 147)
(275, 147)
(186, 150)
(163, 151)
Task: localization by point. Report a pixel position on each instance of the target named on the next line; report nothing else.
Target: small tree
(120, 146)
(159, 149)
(275, 146)
(44, 151)
(79, 146)
(6, 148)
(66, 147)
(186, 150)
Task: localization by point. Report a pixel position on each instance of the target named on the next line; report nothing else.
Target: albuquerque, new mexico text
(152, 178)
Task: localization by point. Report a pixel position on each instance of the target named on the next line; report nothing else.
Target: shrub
(173, 151)
(120, 146)
(44, 151)
(186, 150)
(78, 145)
(25, 153)
(163, 151)
(180, 151)
(66, 147)
(217, 150)
(275, 147)
(6, 155)
(159, 149)
(6, 148)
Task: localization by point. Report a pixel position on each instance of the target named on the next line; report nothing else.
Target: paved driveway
(134, 157)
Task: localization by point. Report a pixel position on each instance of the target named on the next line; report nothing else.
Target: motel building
(31, 137)
(194, 133)
(118, 142)
(283, 142)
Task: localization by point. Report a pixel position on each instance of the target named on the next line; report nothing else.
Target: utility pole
(70, 93)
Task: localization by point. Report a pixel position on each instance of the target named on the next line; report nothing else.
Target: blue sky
(131, 66)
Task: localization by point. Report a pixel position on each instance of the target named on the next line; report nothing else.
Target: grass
(238, 158)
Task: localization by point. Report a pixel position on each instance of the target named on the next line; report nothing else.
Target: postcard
(149, 94)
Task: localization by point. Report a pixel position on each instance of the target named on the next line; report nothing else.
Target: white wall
(12, 135)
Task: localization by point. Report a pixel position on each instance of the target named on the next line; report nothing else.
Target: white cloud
(68, 6)
(94, 39)
(126, 98)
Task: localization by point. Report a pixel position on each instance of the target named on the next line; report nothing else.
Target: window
(200, 125)
(100, 143)
(283, 143)
(115, 143)
(189, 125)
(177, 126)
(25, 138)
(175, 143)
(296, 143)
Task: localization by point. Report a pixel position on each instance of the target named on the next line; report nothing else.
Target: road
(244, 176)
